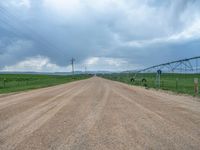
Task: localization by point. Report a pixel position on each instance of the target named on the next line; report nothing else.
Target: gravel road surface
(98, 114)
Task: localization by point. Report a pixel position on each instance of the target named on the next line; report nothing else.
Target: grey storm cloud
(125, 34)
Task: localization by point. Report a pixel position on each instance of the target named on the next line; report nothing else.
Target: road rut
(98, 114)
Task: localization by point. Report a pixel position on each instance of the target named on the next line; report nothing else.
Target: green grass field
(22, 82)
(179, 83)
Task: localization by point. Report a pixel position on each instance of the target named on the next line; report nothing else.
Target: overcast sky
(115, 35)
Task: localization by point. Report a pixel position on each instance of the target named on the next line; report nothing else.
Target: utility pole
(72, 62)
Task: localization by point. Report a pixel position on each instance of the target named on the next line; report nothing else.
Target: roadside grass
(23, 82)
(178, 83)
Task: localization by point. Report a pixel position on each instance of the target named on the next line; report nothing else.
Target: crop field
(23, 82)
(179, 83)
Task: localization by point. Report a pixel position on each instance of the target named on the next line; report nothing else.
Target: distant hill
(56, 73)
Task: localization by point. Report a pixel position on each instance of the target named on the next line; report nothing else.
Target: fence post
(159, 72)
(196, 86)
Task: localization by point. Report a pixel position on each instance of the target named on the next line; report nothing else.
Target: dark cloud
(141, 34)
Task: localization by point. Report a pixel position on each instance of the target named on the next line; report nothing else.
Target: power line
(7, 19)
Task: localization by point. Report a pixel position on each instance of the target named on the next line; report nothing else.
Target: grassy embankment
(23, 82)
(179, 83)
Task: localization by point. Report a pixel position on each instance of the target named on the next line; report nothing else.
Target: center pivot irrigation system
(190, 65)
(184, 66)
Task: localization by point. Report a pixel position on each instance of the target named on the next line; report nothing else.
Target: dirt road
(97, 114)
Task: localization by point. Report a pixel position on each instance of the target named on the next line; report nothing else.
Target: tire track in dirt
(21, 97)
(157, 121)
(98, 114)
(76, 138)
(179, 108)
(36, 117)
(7, 125)
(66, 121)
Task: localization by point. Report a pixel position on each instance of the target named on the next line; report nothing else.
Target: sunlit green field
(180, 83)
(23, 82)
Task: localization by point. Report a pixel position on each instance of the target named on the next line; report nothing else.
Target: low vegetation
(23, 82)
(179, 83)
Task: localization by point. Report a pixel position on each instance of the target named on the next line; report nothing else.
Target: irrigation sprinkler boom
(190, 65)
